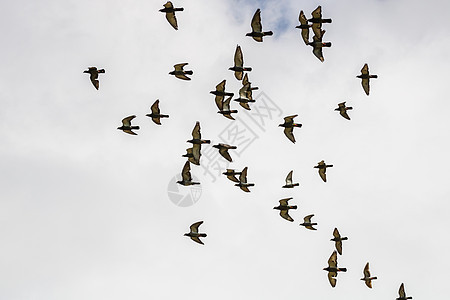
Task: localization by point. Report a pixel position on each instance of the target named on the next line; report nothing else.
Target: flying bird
(304, 26)
(223, 150)
(225, 109)
(94, 75)
(231, 175)
(196, 136)
(322, 169)
(367, 278)
(156, 115)
(126, 125)
(249, 88)
(317, 45)
(186, 175)
(365, 76)
(180, 73)
(289, 127)
(194, 234)
(238, 67)
(317, 22)
(343, 110)
(284, 209)
(307, 222)
(257, 33)
(338, 240)
(402, 294)
(193, 154)
(289, 183)
(333, 269)
(243, 96)
(243, 181)
(220, 93)
(170, 14)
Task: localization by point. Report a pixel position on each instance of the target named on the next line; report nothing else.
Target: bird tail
(344, 238)
(229, 94)
(326, 20)
(164, 116)
(134, 127)
(303, 26)
(247, 69)
(207, 141)
(268, 33)
(101, 71)
(373, 76)
(188, 72)
(328, 44)
(178, 9)
(349, 108)
(250, 184)
(202, 234)
(297, 125)
(343, 269)
(293, 207)
(372, 278)
(329, 166)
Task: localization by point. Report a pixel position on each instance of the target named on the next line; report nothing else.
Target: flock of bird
(193, 153)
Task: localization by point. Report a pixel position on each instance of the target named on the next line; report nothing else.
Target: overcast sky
(87, 211)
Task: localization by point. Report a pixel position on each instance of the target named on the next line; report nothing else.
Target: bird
(249, 88)
(284, 209)
(289, 183)
(317, 21)
(317, 45)
(231, 175)
(126, 125)
(338, 240)
(343, 110)
(93, 71)
(186, 178)
(225, 109)
(402, 294)
(180, 73)
(170, 14)
(367, 278)
(223, 150)
(365, 78)
(156, 115)
(243, 99)
(322, 169)
(289, 127)
(333, 269)
(194, 234)
(257, 33)
(238, 67)
(304, 26)
(196, 136)
(220, 93)
(193, 154)
(243, 181)
(307, 222)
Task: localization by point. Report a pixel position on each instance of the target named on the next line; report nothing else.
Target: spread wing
(245, 79)
(232, 178)
(332, 261)
(369, 283)
(226, 104)
(238, 75)
(365, 69)
(221, 86)
(229, 116)
(285, 201)
(224, 152)
(196, 131)
(317, 29)
(170, 16)
(196, 153)
(245, 105)
(317, 51)
(289, 119)
(185, 173)
(305, 35)
(155, 107)
(256, 21)
(401, 291)
(288, 132)
(168, 4)
(93, 77)
(317, 13)
(343, 113)
(219, 102)
(196, 239)
(365, 85)
(243, 176)
(243, 91)
(322, 174)
(194, 227)
(331, 278)
(289, 178)
(302, 19)
(129, 132)
(285, 215)
(307, 219)
(336, 233)
(339, 247)
(182, 76)
(179, 67)
(366, 271)
(127, 120)
(245, 189)
(238, 58)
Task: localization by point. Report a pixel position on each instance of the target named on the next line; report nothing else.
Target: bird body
(367, 278)
(127, 127)
(343, 110)
(170, 14)
(307, 222)
(186, 176)
(289, 183)
(322, 166)
(365, 78)
(180, 73)
(284, 209)
(93, 71)
(257, 34)
(156, 115)
(194, 234)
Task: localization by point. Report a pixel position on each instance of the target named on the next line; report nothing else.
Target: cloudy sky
(89, 212)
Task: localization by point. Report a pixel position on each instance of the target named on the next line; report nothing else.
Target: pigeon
(367, 278)
(193, 154)
(243, 99)
(220, 93)
(343, 110)
(257, 33)
(170, 14)
(243, 181)
(322, 169)
(317, 22)
(249, 88)
(238, 67)
(289, 127)
(196, 136)
(225, 109)
(289, 183)
(402, 294)
(304, 26)
(284, 209)
(126, 125)
(307, 222)
(365, 76)
(317, 45)
(94, 75)
(333, 269)
(338, 240)
(186, 175)
(223, 150)
(231, 175)
(156, 115)
(194, 234)
(180, 73)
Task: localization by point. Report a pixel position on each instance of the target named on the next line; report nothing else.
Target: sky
(89, 212)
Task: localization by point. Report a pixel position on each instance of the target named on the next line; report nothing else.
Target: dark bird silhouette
(238, 67)
(317, 45)
(180, 73)
(225, 109)
(322, 169)
(243, 99)
(257, 33)
(170, 14)
(289, 183)
(196, 136)
(343, 110)
(220, 93)
(193, 154)
(304, 26)
(194, 234)
(243, 181)
(156, 115)
(307, 222)
(94, 75)
(289, 127)
(317, 21)
(223, 150)
(367, 278)
(402, 294)
(365, 76)
(186, 178)
(231, 175)
(126, 125)
(338, 240)
(333, 269)
(284, 209)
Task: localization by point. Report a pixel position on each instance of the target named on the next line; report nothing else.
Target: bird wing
(185, 173)
(243, 91)
(127, 121)
(95, 82)
(221, 86)
(284, 201)
(365, 69)
(182, 76)
(343, 113)
(229, 116)
(339, 247)
(238, 58)
(196, 153)
(245, 80)
(317, 51)
(368, 283)
(288, 132)
(238, 75)
(366, 271)
(243, 176)
(194, 227)
(245, 105)
(401, 291)
(196, 239)
(331, 278)
(307, 219)
(322, 174)
(129, 131)
(365, 85)
(305, 35)
(232, 178)
(245, 189)
(317, 13)
(179, 67)
(256, 21)
(196, 131)
(224, 152)
(332, 261)
(258, 38)
(168, 5)
(285, 215)
(289, 177)
(289, 119)
(302, 19)
(317, 29)
(219, 102)
(310, 227)
(226, 104)
(170, 16)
